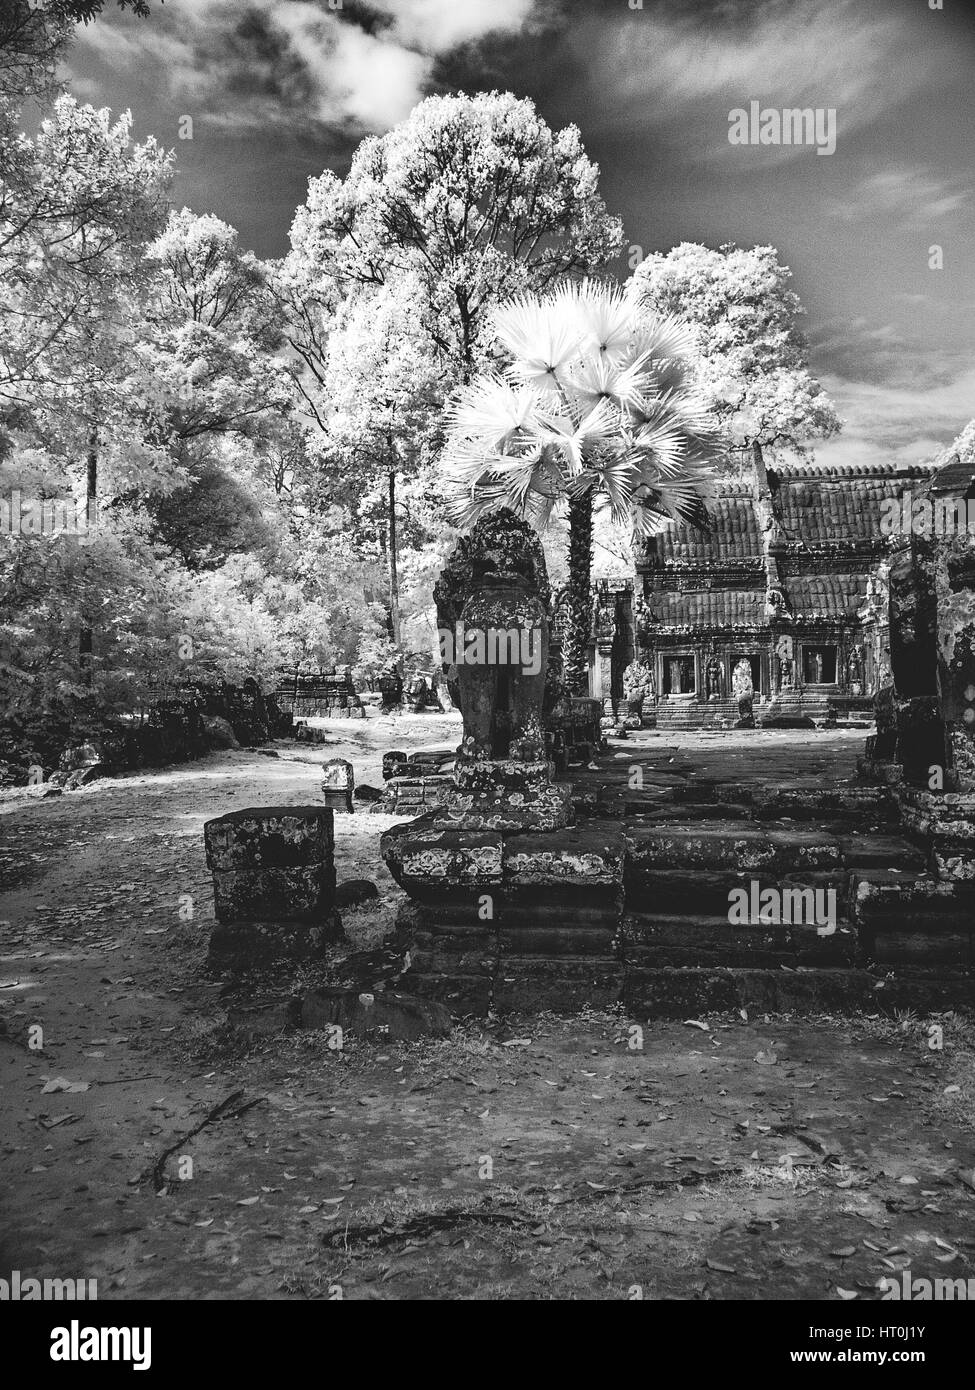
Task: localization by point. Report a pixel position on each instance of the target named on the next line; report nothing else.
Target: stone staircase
(676, 716)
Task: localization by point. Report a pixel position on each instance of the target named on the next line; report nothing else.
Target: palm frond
(541, 336)
(577, 439)
(603, 316)
(663, 336)
(491, 411)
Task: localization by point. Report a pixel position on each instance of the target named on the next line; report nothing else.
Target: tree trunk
(394, 619)
(91, 499)
(576, 655)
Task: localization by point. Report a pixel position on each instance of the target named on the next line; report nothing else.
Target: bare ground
(756, 1158)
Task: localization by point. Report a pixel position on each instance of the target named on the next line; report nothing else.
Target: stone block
(297, 895)
(393, 763)
(241, 944)
(437, 863)
(338, 783)
(270, 837)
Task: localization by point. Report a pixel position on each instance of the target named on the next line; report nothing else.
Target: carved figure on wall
(714, 678)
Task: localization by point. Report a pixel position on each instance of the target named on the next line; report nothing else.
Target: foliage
(597, 398)
(475, 197)
(753, 358)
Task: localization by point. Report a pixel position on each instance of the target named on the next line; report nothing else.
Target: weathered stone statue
(493, 611)
(638, 686)
(391, 688)
(743, 689)
(714, 679)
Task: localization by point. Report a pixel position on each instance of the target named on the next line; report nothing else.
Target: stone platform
(630, 904)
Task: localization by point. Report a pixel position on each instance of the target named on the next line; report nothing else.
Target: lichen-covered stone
(280, 837)
(421, 854)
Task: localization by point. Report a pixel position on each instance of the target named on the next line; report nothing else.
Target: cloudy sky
(280, 89)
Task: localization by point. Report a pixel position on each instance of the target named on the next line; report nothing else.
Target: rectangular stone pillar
(273, 881)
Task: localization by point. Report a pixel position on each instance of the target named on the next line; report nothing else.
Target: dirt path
(541, 1158)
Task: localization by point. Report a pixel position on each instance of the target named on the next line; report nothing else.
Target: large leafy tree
(385, 392)
(212, 329)
(476, 197)
(597, 400)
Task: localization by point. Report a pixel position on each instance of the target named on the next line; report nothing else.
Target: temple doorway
(622, 652)
(755, 662)
(819, 665)
(679, 676)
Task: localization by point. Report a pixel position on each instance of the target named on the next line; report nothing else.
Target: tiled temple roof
(827, 595)
(733, 534)
(830, 518)
(731, 608)
(818, 505)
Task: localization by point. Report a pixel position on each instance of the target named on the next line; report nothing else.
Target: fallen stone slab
(364, 792)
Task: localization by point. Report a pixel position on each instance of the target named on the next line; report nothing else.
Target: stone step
(529, 983)
(740, 845)
(700, 892)
(862, 805)
(885, 900)
(692, 811)
(689, 993)
(648, 940)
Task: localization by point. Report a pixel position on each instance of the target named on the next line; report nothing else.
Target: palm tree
(598, 401)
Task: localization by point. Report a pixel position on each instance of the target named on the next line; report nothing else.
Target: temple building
(786, 593)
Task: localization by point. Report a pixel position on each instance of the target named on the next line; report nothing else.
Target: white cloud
(681, 76)
(371, 80)
(904, 193)
(896, 422)
(436, 26)
(249, 75)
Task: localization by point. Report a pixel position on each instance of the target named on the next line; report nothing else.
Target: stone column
(273, 882)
